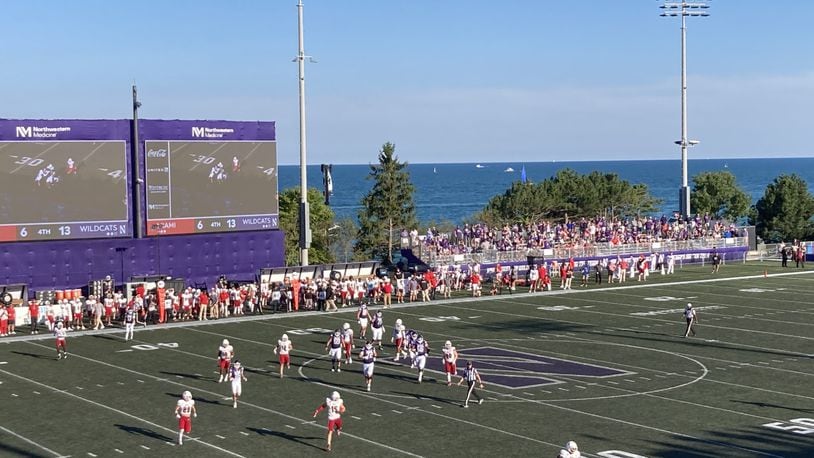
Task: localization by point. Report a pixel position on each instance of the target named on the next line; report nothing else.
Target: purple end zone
(513, 369)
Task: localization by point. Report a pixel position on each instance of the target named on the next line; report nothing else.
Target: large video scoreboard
(63, 179)
(212, 176)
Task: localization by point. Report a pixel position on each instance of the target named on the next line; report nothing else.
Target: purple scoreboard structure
(209, 201)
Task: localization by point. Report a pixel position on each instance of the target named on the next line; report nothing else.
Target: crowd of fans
(584, 232)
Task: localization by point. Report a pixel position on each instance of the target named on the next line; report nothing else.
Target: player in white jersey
(347, 342)
(421, 350)
(570, 451)
(129, 321)
(283, 349)
(398, 339)
(335, 407)
(184, 412)
(237, 377)
(368, 358)
(363, 317)
(334, 349)
(450, 358)
(225, 354)
(377, 325)
(70, 167)
(60, 332)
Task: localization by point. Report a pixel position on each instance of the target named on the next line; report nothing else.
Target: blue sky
(445, 80)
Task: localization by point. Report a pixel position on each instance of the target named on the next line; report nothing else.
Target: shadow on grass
(198, 399)
(181, 374)
(772, 406)
(144, 432)
(34, 355)
(424, 397)
(283, 435)
(10, 450)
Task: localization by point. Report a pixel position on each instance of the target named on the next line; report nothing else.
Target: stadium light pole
(136, 172)
(305, 217)
(684, 9)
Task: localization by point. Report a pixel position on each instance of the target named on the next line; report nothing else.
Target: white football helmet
(363, 306)
(448, 344)
(236, 363)
(186, 395)
(398, 322)
(59, 325)
(379, 314)
(346, 326)
(571, 446)
(285, 337)
(689, 305)
(225, 342)
(335, 397)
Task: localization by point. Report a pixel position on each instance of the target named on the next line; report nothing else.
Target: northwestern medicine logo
(211, 132)
(40, 132)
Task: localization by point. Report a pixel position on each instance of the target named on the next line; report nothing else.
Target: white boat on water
(509, 170)
(478, 166)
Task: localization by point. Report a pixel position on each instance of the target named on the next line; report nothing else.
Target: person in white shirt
(691, 316)
(184, 412)
(283, 349)
(237, 377)
(570, 451)
(335, 407)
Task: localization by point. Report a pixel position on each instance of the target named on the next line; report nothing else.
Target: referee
(471, 376)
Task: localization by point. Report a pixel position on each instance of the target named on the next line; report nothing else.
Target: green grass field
(605, 366)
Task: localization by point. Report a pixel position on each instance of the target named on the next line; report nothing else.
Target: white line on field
(29, 441)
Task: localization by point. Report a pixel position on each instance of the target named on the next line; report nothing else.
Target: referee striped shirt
(470, 374)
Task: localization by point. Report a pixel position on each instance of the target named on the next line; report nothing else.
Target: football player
(237, 377)
(570, 451)
(450, 358)
(362, 317)
(225, 354)
(368, 357)
(70, 167)
(421, 350)
(129, 321)
(184, 412)
(283, 348)
(334, 349)
(347, 342)
(61, 333)
(336, 407)
(398, 339)
(377, 325)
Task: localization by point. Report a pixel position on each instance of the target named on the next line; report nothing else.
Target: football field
(605, 365)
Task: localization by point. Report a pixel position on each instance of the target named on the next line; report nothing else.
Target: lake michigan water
(454, 192)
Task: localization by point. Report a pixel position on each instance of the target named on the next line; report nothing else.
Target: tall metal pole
(305, 225)
(136, 168)
(684, 193)
(684, 9)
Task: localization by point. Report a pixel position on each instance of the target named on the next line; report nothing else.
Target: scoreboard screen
(55, 190)
(210, 186)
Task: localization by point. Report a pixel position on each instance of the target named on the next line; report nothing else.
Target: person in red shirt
(3, 320)
(203, 305)
(475, 280)
(34, 314)
(12, 317)
(295, 287)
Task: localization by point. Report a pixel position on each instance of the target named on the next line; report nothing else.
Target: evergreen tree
(785, 211)
(387, 208)
(569, 194)
(718, 194)
(322, 218)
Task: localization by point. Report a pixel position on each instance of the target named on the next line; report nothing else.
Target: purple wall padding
(196, 258)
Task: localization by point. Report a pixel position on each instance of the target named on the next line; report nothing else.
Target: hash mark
(290, 427)
(219, 436)
(144, 447)
(375, 414)
(396, 411)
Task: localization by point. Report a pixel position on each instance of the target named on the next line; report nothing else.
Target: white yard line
(31, 442)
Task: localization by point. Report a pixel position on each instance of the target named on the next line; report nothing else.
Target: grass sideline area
(606, 366)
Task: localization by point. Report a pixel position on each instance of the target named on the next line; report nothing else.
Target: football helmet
(398, 322)
(448, 344)
(285, 337)
(571, 446)
(225, 342)
(59, 325)
(336, 333)
(335, 396)
(379, 314)
(363, 306)
(186, 395)
(236, 363)
(689, 305)
(346, 326)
